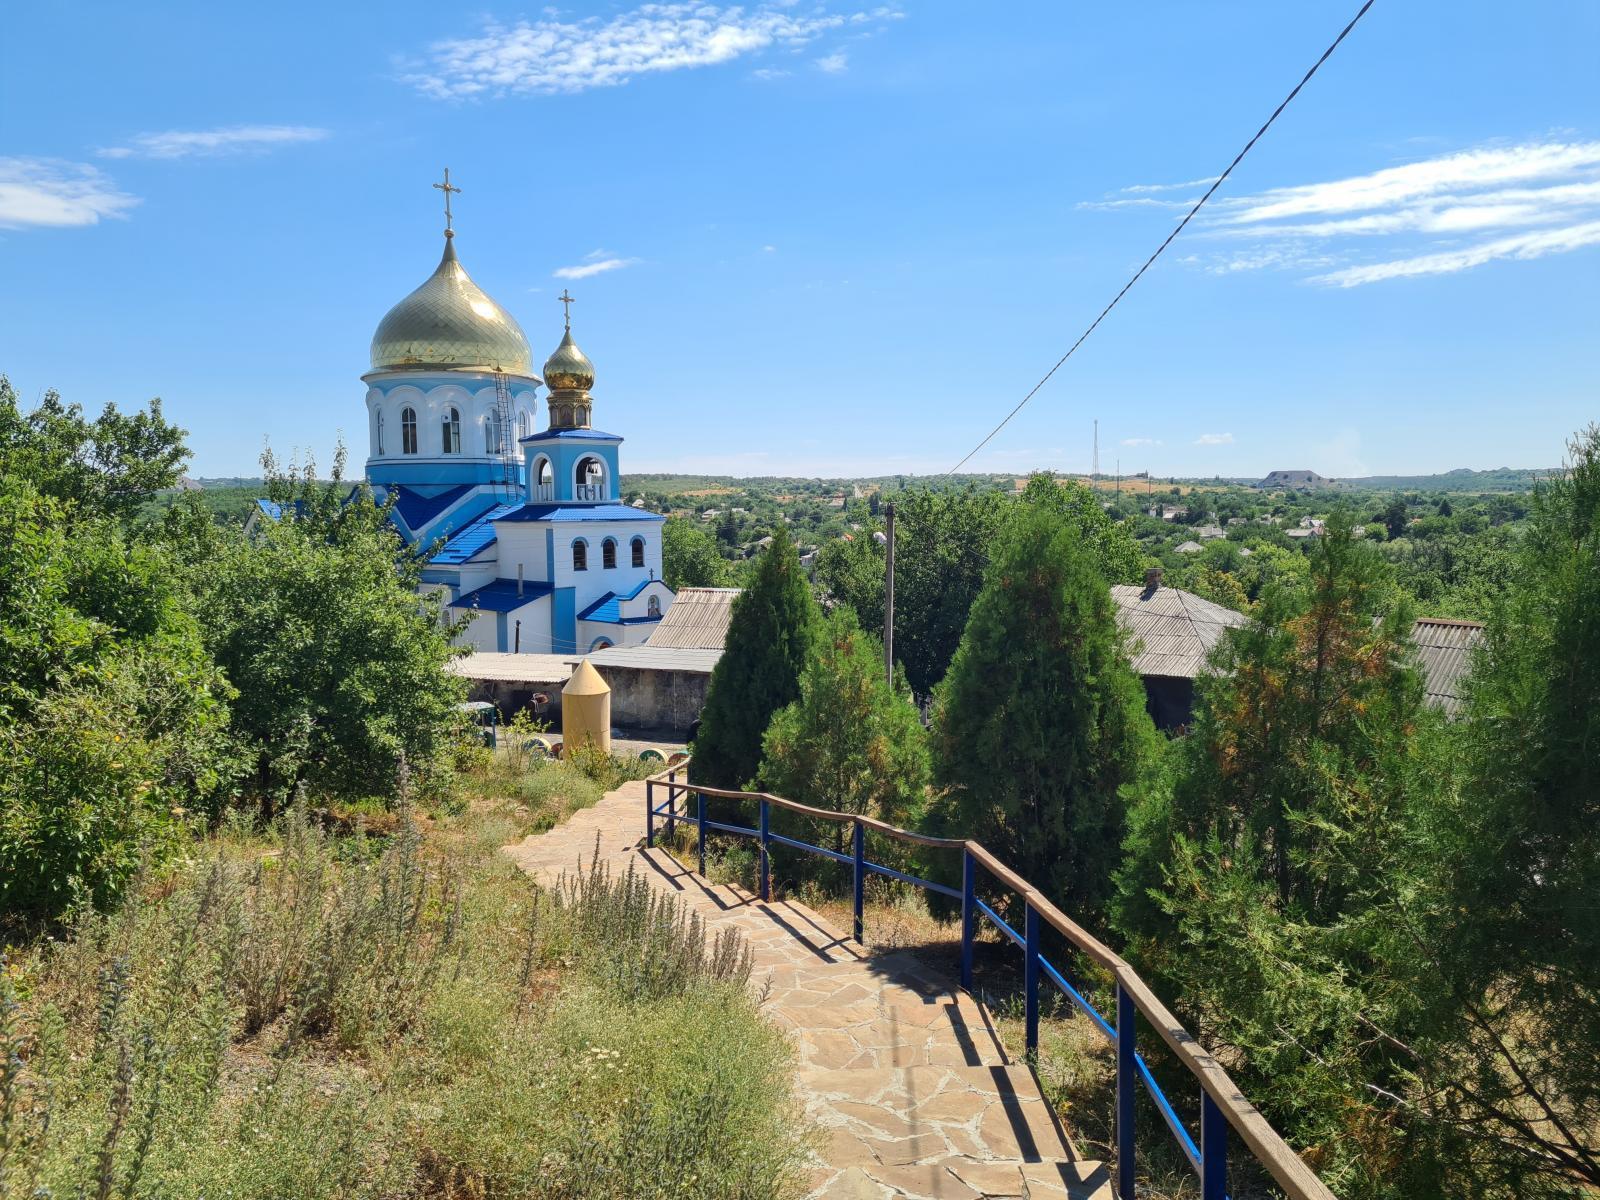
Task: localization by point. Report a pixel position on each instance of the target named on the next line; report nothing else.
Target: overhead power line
(1198, 205)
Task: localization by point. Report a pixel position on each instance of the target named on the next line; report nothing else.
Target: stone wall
(655, 700)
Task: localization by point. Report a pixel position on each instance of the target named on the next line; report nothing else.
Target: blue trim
(417, 510)
(596, 644)
(564, 622)
(500, 632)
(588, 512)
(572, 435)
(500, 595)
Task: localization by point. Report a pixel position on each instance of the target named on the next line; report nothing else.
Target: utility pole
(888, 593)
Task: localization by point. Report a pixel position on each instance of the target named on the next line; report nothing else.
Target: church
(525, 532)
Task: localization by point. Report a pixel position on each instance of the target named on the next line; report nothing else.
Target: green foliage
(1040, 732)
(689, 556)
(850, 742)
(771, 631)
(325, 1018)
(338, 663)
(942, 545)
(107, 467)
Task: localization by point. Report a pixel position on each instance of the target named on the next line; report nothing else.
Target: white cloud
(596, 262)
(1141, 441)
(1214, 439)
(834, 64)
(1436, 216)
(1140, 188)
(46, 192)
(553, 56)
(233, 139)
(768, 73)
(769, 249)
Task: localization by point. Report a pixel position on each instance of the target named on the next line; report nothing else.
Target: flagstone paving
(901, 1070)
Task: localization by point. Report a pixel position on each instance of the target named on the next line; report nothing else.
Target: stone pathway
(900, 1069)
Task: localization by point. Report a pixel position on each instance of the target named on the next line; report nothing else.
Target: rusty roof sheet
(1444, 652)
(697, 619)
(1171, 630)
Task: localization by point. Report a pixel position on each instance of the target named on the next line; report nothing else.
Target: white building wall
(521, 543)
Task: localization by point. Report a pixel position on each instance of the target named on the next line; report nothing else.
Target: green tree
(105, 467)
(1395, 517)
(339, 664)
(771, 632)
(1040, 730)
(689, 556)
(850, 742)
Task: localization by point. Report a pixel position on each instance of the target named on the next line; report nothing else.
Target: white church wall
(521, 543)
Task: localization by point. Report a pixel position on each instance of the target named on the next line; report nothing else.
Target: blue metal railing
(1221, 1104)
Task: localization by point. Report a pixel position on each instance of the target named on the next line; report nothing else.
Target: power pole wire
(1199, 204)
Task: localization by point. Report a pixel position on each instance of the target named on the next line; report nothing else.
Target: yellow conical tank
(586, 709)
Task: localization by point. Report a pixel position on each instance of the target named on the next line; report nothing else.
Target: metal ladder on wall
(505, 450)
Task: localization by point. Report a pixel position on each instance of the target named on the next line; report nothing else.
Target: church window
(492, 443)
(638, 552)
(408, 430)
(652, 606)
(524, 424)
(608, 554)
(544, 475)
(580, 555)
(380, 434)
(452, 431)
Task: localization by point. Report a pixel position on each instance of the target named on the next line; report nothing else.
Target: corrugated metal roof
(512, 668)
(503, 595)
(1444, 651)
(474, 539)
(1172, 630)
(696, 620)
(654, 658)
(579, 512)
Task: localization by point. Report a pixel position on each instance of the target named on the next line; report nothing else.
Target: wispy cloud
(49, 193)
(596, 262)
(1141, 441)
(1439, 215)
(552, 56)
(836, 63)
(1214, 439)
(233, 139)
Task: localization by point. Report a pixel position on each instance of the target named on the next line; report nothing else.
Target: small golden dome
(568, 369)
(450, 323)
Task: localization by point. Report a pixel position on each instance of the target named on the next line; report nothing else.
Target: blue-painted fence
(1222, 1106)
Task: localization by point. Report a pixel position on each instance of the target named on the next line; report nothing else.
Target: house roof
(579, 512)
(696, 620)
(498, 667)
(1173, 630)
(471, 540)
(1444, 652)
(1188, 548)
(501, 595)
(655, 658)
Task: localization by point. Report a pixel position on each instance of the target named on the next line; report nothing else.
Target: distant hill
(1462, 479)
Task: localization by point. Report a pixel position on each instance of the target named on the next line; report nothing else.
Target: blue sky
(825, 238)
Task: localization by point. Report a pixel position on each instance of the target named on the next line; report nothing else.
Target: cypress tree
(771, 631)
(1041, 721)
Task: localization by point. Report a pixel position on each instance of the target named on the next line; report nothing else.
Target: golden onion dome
(450, 323)
(568, 369)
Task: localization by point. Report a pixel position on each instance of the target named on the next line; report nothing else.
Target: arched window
(493, 443)
(380, 433)
(452, 431)
(524, 423)
(543, 472)
(608, 554)
(408, 430)
(652, 606)
(638, 551)
(591, 479)
(580, 555)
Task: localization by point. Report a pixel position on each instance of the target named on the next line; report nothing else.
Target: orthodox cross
(446, 188)
(566, 307)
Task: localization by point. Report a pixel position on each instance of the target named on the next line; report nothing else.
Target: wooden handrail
(1286, 1167)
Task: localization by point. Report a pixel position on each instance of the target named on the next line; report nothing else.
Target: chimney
(1152, 578)
(519, 580)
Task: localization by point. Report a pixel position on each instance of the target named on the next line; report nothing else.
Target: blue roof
(581, 512)
(473, 539)
(274, 511)
(559, 435)
(417, 510)
(500, 595)
(606, 608)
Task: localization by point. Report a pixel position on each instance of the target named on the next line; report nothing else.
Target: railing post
(1127, 1084)
(861, 880)
(766, 865)
(969, 915)
(1213, 1149)
(649, 814)
(700, 820)
(672, 804)
(1030, 978)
